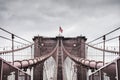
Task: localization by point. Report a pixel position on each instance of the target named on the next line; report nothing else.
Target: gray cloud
(32, 17)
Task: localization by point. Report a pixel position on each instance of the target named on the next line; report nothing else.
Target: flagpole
(60, 31)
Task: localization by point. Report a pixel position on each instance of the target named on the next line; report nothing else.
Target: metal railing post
(104, 37)
(119, 45)
(13, 48)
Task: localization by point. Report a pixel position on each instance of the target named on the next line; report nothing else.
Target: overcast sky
(90, 18)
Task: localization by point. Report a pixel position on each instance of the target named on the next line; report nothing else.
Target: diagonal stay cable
(111, 51)
(106, 40)
(15, 35)
(11, 40)
(18, 49)
(105, 35)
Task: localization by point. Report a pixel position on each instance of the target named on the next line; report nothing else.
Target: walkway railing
(114, 73)
(9, 72)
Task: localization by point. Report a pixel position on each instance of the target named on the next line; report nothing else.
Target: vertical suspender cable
(119, 45)
(14, 35)
(104, 49)
(12, 48)
(31, 51)
(105, 35)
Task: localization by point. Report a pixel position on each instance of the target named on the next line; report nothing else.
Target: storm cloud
(29, 18)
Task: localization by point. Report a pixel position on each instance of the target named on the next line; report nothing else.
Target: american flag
(60, 29)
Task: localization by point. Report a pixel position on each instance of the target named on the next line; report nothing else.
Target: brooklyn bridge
(60, 58)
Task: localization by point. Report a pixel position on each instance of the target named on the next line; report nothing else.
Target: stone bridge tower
(75, 45)
(42, 46)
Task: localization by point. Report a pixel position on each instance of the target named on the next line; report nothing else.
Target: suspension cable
(11, 40)
(75, 58)
(106, 40)
(105, 35)
(9, 51)
(36, 60)
(111, 51)
(14, 35)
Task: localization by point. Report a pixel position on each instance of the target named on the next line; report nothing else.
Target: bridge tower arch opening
(76, 46)
(42, 46)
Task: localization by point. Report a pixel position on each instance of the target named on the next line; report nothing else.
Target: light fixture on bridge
(74, 45)
(42, 44)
